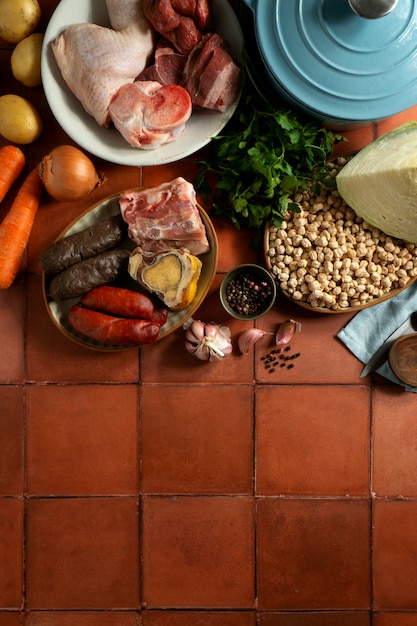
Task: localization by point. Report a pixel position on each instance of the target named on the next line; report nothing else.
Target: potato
(26, 60)
(20, 122)
(18, 19)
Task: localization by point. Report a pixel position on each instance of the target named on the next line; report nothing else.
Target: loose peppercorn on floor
(145, 488)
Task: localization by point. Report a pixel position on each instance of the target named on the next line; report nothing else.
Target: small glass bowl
(256, 283)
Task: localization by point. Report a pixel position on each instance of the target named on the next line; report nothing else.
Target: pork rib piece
(148, 114)
(211, 76)
(96, 61)
(165, 217)
(180, 21)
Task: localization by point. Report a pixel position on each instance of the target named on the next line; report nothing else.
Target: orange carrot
(12, 161)
(16, 227)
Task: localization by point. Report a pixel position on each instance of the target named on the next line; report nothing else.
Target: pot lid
(337, 63)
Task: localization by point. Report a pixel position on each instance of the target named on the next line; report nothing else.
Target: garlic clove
(285, 331)
(223, 340)
(190, 346)
(195, 330)
(248, 338)
(211, 330)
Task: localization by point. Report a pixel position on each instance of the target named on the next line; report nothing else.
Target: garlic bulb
(207, 342)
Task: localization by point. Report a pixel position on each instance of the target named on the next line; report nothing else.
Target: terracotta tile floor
(147, 488)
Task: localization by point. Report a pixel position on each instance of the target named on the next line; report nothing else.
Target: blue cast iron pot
(336, 65)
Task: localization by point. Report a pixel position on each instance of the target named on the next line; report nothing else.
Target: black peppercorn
(247, 295)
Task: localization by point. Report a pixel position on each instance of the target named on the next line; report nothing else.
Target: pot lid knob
(372, 9)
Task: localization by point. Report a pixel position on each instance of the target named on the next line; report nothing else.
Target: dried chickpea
(329, 257)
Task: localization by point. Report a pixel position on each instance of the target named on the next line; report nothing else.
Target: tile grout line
(139, 388)
(255, 504)
(24, 451)
(24, 498)
(371, 507)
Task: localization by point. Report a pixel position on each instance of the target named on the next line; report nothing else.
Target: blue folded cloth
(368, 330)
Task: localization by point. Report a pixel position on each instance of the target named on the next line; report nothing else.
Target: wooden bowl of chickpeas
(327, 259)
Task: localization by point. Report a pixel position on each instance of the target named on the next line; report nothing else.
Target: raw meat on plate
(148, 91)
(168, 65)
(165, 217)
(182, 22)
(123, 13)
(148, 114)
(96, 61)
(211, 76)
(209, 73)
(172, 275)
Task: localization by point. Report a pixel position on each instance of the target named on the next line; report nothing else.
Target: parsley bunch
(264, 154)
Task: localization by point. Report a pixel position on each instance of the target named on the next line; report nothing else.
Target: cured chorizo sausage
(112, 330)
(95, 239)
(124, 302)
(83, 276)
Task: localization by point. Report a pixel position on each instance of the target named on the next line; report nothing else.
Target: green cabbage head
(380, 182)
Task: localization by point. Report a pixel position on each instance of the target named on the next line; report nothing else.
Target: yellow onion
(68, 174)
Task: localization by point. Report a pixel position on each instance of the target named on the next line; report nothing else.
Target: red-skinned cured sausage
(124, 302)
(115, 331)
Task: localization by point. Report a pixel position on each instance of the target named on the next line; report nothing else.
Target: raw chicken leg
(96, 61)
(122, 13)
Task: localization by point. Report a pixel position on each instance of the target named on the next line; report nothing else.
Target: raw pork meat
(211, 76)
(165, 217)
(180, 21)
(148, 114)
(96, 61)
(168, 65)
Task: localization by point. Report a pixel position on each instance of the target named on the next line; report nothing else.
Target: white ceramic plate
(108, 144)
(58, 311)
